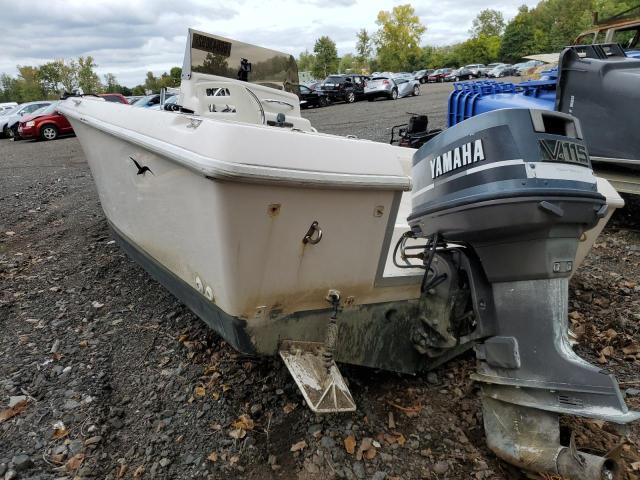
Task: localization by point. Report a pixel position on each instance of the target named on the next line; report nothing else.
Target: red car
(45, 124)
(114, 97)
(438, 75)
(48, 124)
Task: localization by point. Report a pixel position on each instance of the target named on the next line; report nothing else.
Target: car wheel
(49, 132)
(457, 79)
(5, 132)
(370, 99)
(416, 90)
(351, 97)
(323, 102)
(14, 133)
(394, 94)
(441, 79)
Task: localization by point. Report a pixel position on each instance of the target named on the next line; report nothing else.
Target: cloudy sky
(130, 37)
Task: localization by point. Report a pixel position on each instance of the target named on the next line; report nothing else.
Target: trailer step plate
(325, 391)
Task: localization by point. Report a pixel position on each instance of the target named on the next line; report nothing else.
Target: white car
(6, 106)
(10, 119)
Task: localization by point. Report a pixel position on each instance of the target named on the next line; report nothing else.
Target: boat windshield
(222, 56)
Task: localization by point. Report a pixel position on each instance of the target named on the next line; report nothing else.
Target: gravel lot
(109, 376)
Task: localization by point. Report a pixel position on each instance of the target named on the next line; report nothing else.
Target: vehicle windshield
(12, 110)
(334, 79)
(48, 110)
(379, 78)
(145, 100)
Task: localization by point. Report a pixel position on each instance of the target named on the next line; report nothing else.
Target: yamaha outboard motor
(513, 191)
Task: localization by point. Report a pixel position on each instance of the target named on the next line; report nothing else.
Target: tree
(29, 87)
(9, 89)
(151, 83)
(176, 76)
(398, 37)
(489, 23)
(364, 48)
(519, 39)
(306, 61)
(326, 56)
(111, 83)
(50, 75)
(88, 79)
(347, 63)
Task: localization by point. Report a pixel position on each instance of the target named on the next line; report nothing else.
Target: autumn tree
(398, 37)
(326, 57)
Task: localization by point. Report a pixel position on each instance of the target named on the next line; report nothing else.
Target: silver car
(10, 119)
(391, 88)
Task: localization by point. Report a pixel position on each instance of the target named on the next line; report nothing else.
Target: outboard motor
(513, 191)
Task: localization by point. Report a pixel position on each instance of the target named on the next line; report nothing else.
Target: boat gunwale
(216, 169)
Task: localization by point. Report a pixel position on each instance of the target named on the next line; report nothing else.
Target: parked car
(503, 70)
(438, 75)
(310, 97)
(524, 67)
(345, 88)
(114, 97)
(6, 106)
(461, 73)
(44, 124)
(9, 121)
(381, 87)
(131, 99)
(423, 75)
(149, 100)
(490, 67)
(476, 69)
(391, 88)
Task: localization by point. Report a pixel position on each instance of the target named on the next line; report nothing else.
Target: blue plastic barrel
(469, 99)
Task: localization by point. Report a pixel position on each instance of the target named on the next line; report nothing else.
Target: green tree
(489, 23)
(364, 48)
(326, 57)
(152, 83)
(519, 39)
(111, 83)
(88, 79)
(481, 49)
(348, 63)
(398, 37)
(306, 61)
(9, 89)
(50, 75)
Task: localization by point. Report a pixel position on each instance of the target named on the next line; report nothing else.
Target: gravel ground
(108, 376)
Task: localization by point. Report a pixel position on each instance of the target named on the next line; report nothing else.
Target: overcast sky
(130, 37)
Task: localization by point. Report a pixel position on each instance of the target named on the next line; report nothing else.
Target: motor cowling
(508, 182)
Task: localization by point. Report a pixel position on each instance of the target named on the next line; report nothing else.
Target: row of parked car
(476, 70)
(352, 87)
(41, 120)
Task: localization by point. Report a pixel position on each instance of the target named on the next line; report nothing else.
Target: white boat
(281, 238)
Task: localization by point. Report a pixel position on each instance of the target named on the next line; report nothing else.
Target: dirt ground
(109, 376)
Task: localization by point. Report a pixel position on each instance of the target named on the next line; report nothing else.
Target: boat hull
(233, 251)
